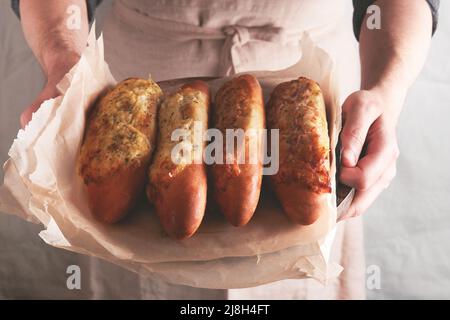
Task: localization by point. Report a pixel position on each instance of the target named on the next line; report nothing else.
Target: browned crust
(111, 199)
(181, 203)
(239, 105)
(237, 196)
(179, 193)
(199, 86)
(117, 147)
(297, 109)
(299, 204)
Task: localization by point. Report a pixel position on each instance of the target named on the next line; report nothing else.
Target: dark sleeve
(360, 9)
(90, 4)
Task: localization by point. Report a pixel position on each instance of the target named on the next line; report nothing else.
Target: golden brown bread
(117, 147)
(297, 109)
(239, 105)
(178, 189)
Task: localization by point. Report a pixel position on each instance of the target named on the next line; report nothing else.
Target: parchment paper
(42, 185)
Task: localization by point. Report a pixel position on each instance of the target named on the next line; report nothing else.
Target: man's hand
(48, 92)
(56, 47)
(369, 135)
(56, 71)
(391, 58)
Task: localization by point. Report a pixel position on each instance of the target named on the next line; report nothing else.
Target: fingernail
(348, 158)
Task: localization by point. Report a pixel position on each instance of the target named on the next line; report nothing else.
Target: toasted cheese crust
(121, 130)
(177, 182)
(297, 109)
(237, 184)
(179, 110)
(239, 105)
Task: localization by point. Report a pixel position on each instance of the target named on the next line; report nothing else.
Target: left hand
(369, 125)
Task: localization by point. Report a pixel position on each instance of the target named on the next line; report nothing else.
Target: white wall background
(407, 231)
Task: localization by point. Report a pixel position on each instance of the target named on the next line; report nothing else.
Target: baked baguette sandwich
(177, 182)
(297, 109)
(237, 184)
(117, 147)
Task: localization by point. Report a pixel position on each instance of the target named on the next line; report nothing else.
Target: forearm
(55, 46)
(392, 57)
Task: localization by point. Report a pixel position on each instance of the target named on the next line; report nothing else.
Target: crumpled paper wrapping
(42, 185)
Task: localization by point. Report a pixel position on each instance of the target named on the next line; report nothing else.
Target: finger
(359, 113)
(381, 151)
(363, 199)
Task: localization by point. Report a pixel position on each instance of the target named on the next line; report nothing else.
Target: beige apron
(186, 38)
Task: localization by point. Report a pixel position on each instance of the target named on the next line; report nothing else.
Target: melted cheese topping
(179, 110)
(120, 131)
(297, 109)
(238, 106)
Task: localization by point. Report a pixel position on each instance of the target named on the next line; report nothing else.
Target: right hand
(48, 92)
(55, 72)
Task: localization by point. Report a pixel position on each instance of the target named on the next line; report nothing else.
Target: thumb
(359, 112)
